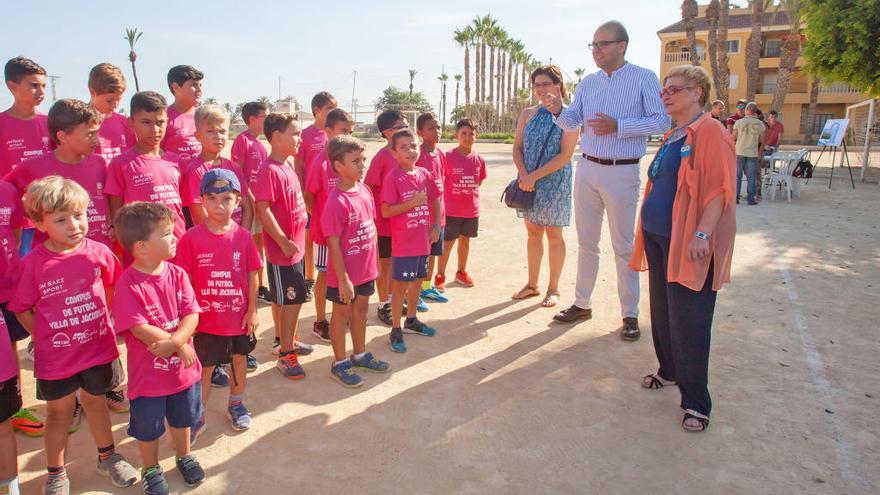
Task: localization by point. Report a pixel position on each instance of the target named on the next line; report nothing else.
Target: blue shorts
(148, 414)
(409, 268)
(437, 247)
(365, 289)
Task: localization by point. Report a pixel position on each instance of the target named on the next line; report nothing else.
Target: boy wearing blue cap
(223, 263)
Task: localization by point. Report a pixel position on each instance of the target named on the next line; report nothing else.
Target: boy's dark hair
(337, 115)
(19, 67)
(387, 118)
(424, 119)
(106, 78)
(182, 73)
(400, 134)
(322, 99)
(252, 109)
(466, 122)
(277, 122)
(340, 145)
(147, 101)
(66, 114)
(135, 222)
(774, 113)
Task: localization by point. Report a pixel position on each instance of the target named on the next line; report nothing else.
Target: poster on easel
(833, 132)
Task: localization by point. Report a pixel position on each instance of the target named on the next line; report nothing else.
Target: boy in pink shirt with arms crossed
(61, 297)
(433, 160)
(185, 83)
(106, 86)
(156, 309)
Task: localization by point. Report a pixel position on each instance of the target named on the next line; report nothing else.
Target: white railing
(683, 56)
(837, 88)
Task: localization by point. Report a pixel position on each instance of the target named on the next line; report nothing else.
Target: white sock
(342, 362)
(360, 356)
(10, 486)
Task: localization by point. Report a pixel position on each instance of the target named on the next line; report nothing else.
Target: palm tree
(689, 12)
(465, 37)
(443, 78)
(492, 40)
(517, 55)
(791, 49)
(457, 83)
(508, 94)
(753, 49)
(723, 85)
(210, 101)
(412, 75)
(580, 73)
(132, 36)
(811, 109)
(484, 26)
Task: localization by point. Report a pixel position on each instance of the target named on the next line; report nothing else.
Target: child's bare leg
(239, 366)
(342, 314)
(258, 241)
(288, 317)
(276, 319)
(207, 371)
(309, 259)
(412, 298)
(180, 437)
(150, 452)
(358, 324)
(8, 451)
(384, 282)
(98, 416)
(320, 295)
(398, 292)
(444, 260)
(58, 414)
(431, 261)
(464, 244)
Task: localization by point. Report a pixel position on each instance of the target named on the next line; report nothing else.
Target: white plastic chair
(782, 178)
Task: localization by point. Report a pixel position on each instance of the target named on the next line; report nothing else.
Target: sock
(104, 453)
(426, 285)
(361, 355)
(396, 330)
(10, 486)
(338, 363)
(234, 399)
(147, 470)
(56, 473)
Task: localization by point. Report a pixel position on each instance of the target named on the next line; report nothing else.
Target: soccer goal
(863, 135)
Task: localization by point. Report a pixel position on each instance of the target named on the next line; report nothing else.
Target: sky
(244, 47)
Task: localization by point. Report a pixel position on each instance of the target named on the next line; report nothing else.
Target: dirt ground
(503, 401)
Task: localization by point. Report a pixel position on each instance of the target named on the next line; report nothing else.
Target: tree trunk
(516, 81)
(712, 21)
(723, 58)
(499, 86)
(477, 84)
(689, 11)
(811, 110)
(137, 85)
(467, 80)
(456, 95)
(491, 99)
(483, 73)
(509, 77)
(791, 50)
(753, 50)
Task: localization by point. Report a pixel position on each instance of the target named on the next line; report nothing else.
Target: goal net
(863, 138)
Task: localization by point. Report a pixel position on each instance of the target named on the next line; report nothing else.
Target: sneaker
(25, 422)
(76, 421)
(239, 415)
(57, 486)
(630, 329)
(153, 481)
(321, 329)
(397, 343)
(197, 429)
(252, 363)
(433, 294)
(343, 373)
(440, 282)
(417, 327)
(369, 363)
(121, 473)
(464, 279)
(302, 349)
(289, 366)
(421, 307)
(383, 312)
(276, 346)
(190, 469)
(29, 355)
(117, 402)
(219, 378)
(264, 295)
(310, 290)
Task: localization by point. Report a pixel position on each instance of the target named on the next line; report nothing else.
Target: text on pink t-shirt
(22, 139)
(114, 137)
(11, 213)
(180, 135)
(350, 216)
(464, 174)
(410, 230)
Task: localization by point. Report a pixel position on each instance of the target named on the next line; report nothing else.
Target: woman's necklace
(677, 134)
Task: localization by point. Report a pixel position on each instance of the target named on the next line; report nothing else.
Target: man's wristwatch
(702, 235)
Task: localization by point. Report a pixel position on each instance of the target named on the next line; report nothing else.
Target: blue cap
(216, 174)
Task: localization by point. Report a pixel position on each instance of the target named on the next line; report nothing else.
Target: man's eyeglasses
(672, 90)
(601, 44)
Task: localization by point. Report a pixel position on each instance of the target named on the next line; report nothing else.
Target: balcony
(682, 57)
(768, 88)
(838, 88)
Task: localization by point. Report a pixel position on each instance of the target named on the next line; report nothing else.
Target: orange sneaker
(440, 282)
(25, 422)
(464, 279)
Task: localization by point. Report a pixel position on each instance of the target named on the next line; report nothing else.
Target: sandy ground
(503, 401)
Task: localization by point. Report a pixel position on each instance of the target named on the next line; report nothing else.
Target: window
(734, 81)
(732, 46)
(772, 48)
(818, 121)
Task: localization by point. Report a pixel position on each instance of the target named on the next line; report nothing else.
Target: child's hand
(435, 233)
(187, 356)
(163, 349)
(289, 248)
(250, 321)
(346, 291)
(420, 198)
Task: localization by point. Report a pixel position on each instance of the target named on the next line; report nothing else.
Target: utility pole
(52, 80)
(353, 99)
(279, 87)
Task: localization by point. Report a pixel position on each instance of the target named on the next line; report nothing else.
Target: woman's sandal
(525, 293)
(655, 381)
(551, 299)
(691, 414)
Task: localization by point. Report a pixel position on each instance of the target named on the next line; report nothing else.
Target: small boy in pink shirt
(321, 180)
(222, 262)
(465, 172)
(347, 221)
(410, 200)
(433, 160)
(145, 172)
(106, 86)
(61, 298)
(282, 211)
(388, 122)
(156, 309)
(185, 83)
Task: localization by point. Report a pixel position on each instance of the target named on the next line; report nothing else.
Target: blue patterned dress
(552, 207)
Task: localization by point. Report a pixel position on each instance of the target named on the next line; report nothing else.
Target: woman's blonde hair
(695, 76)
(52, 194)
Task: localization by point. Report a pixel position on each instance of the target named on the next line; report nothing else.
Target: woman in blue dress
(542, 155)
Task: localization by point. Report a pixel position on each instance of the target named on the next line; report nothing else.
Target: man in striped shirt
(618, 107)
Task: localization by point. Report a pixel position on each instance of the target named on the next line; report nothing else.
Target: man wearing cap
(740, 113)
(618, 107)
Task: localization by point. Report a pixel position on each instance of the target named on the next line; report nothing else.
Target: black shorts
(365, 289)
(16, 331)
(287, 283)
(384, 246)
(97, 380)
(437, 247)
(456, 226)
(218, 349)
(10, 398)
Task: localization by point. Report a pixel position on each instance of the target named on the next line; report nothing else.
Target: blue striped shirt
(632, 96)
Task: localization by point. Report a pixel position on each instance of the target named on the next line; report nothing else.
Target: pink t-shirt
(8, 368)
(90, 173)
(180, 135)
(194, 173)
(380, 165)
(161, 301)
(218, 265)
(314, 140)
(72, 329)
(321, 180)
(464, 174)
(350, 216)
(411, 230)
(10, 220)
(277, 183)
(22, 139)
(250, 152)
(114, 137)
(436, 164)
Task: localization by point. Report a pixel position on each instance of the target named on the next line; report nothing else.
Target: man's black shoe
(572, 314)
(630, 329)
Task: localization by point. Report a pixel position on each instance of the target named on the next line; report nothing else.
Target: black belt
(611, 161)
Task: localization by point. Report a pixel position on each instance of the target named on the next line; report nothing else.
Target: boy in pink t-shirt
(321, 180)
(61, 297)
(410, 200)
(347, 221)
(388, 121)
(156, 309)
(433, 160)
(145, 172)
(222, 262)
(185, 83)
(106, 86)
(282, 211)
(465, 172)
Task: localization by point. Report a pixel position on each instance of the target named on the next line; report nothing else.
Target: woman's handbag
(513, 196)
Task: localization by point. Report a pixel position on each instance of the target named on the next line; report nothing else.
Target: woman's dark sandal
(689, 414)
(525, 293)
(654, 381)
